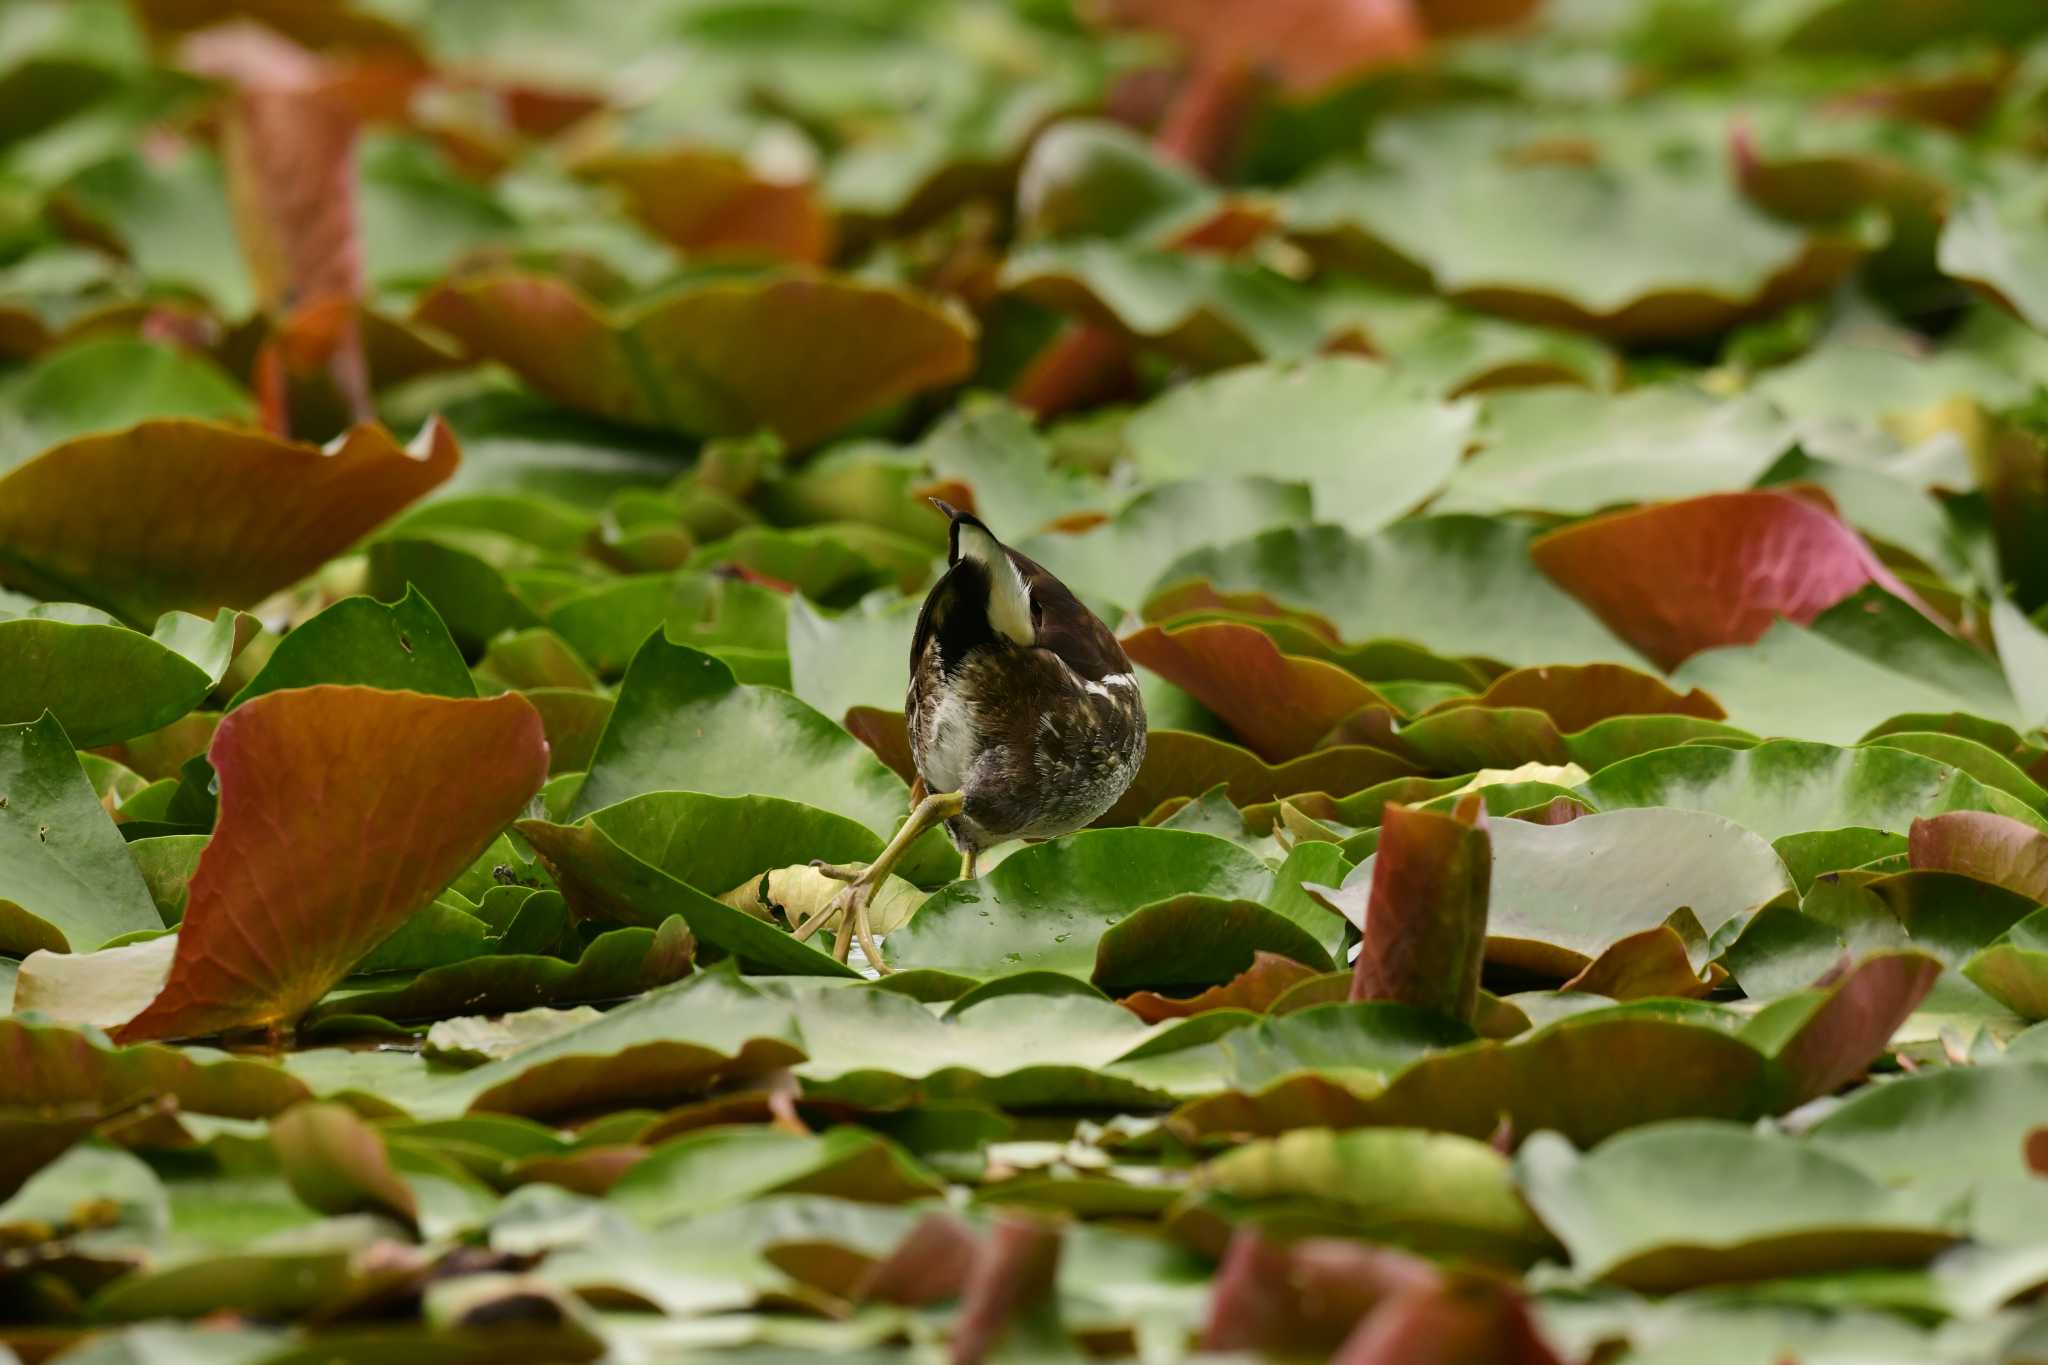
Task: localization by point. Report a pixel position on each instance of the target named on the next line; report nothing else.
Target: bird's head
(1013, 611)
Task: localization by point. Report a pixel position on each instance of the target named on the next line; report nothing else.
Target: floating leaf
(261, 941)
(1716, 570)
(103, 681)
(399, 647)
(1046, 905)
(1180, 763)
(1774, 1207)
(1427, 1191)
(1458, 585)
(1569, 451)
(1673, 254)
(1368, 443)
(682, 722)
(231, 516)
(1280, 704)
(1120, 559)
(1562, 895)
(1790, 787)
(719, 359)
(1425, 929)
(68, 883)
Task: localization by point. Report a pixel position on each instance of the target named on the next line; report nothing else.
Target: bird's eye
(1037, 611)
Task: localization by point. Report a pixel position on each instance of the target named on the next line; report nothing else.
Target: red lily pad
(714, 205)
(1281, 705)
(194, 516)
(799, 355)
(1425, 924)
(1681, 577)
(1183, 763)
(314, 782)
(1992, 848)
(1255, 988)
(1307, 45)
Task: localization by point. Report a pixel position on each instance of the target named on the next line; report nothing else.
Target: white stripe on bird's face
(1009, 597)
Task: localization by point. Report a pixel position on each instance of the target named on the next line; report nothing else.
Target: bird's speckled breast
(1036, 750)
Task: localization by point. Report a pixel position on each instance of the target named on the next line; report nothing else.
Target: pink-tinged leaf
(1849, 1029)
(930, 1265)
(1010, 1287)
(1255, 988)
(1648, 964)
(714, 205)
(800, 354)
(1303, 1297)
(343, 810)
(1425, 922)
(1462, 1320)
(336, 1163)
(1680, 577)
(1306, 45)
(1576, 696)
(178, 515)
(1279, 704)
(1991, 848)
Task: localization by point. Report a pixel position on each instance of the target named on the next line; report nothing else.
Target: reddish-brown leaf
(714, 205)
(1991, 848)
(930, 1265)
(342, 811)
(884, 734)
(1681, 577)
(1651, 963)
(194, 516)
(1279, 704)
(1306, 45)
(2037, 1150)
(1182, 763)
(1575, 696)
(1850, 1028)
(1012, 1278)
(1255, 988)
(1303, 1297)
(1461, 1320)
(1425, 922)
(800, 354)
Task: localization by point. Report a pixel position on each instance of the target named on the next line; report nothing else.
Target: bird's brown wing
(1067, 628)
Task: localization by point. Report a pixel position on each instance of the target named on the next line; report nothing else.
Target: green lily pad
(682, 722)
(1772, 1206)
(1368, 442)
(104, 682)
(1672, 253)
(1455, 585)
(1786, 787)
(1200, 308)
(1562, 895)
(1570, 451)
(1046, 906)
(399, 646)
(69, 884)
(1435, 1192)
(608, 884)
(1194, 941)
(1122, 558)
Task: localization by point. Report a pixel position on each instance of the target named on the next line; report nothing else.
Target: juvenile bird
(1024, 716)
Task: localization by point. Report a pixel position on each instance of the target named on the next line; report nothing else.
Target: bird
(1024, 714)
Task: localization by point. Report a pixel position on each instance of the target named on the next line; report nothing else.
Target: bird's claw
(840, 872)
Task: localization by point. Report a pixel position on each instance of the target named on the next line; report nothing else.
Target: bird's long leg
(967, 860)
(851, 905)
